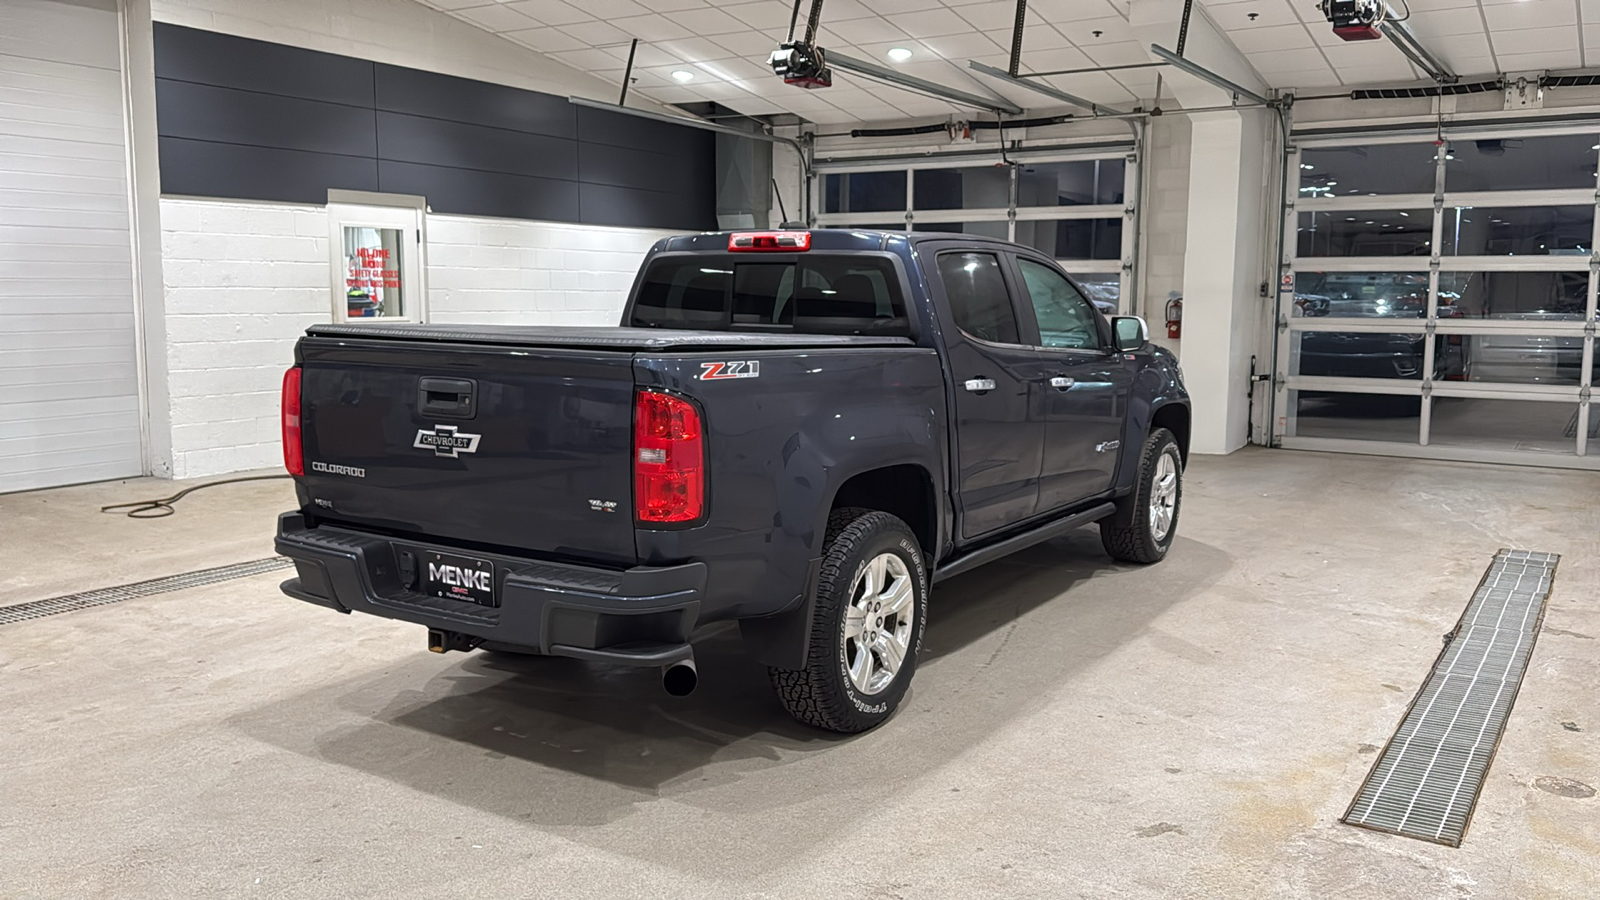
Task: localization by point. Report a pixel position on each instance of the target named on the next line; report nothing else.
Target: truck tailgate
(521, 448)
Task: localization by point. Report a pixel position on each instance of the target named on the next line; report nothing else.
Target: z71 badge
(716, 371)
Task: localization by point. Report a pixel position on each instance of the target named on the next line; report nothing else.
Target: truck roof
(834, 239)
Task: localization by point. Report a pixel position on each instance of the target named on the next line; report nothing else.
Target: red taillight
(778, 241)
(294, 457)
(669, 459)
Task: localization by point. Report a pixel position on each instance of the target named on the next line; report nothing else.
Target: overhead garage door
(69, 386)
(1438, 294)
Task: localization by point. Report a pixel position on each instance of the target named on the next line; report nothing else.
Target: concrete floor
(1079, 728)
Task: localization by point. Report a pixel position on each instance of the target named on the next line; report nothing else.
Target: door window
(978, 298)
(1066, 319)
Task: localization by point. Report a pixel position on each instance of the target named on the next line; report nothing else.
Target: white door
(69, 382)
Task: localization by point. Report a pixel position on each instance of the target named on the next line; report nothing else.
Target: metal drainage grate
(38, 609)
(1426, 782)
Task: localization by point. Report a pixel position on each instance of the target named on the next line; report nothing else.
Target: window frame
(400, 213)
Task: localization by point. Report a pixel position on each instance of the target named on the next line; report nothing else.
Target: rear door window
(978, 298)
(818, 294)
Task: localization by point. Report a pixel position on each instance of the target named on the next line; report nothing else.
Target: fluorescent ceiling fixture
(899, 54)
(683, 75)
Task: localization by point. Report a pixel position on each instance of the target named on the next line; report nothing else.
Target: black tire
(822, 694)
(1128, 534)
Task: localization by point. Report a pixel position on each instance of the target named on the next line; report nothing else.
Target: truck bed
(606, 338)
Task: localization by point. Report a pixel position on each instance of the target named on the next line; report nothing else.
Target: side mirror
(1131, 333)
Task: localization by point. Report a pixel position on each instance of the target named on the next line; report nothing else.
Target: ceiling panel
(723, 47)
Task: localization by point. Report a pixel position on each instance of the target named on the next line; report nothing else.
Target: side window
(978, 298)
(1066, 319)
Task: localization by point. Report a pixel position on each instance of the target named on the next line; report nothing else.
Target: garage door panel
(48, 290)
(72, 33)
(59, 148)
(52, 341)
(24, 73)
(52, 253)
(58, 270)
(108, 135)
(82, 469)
(117, 322)
(107, 439)
(72, 381)
(46, 164)
(33, 359)
(74, 183)
(26, 393)
(66, 237)
(67, 417)
(67, 463)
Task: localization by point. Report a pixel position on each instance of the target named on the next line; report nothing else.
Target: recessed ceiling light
(682, 75)
(899, 54)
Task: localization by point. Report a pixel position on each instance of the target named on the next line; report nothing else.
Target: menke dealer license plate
(459, 578)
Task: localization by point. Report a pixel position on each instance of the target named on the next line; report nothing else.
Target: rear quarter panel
(778, 447)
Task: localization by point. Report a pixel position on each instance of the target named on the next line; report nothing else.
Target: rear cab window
(808, 294)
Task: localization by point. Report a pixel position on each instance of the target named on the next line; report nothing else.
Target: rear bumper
(639, 616)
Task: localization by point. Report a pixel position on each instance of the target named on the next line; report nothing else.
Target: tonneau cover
(612, 337)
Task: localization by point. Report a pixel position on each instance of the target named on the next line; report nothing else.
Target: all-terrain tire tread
(804, 692)
(1125, 534)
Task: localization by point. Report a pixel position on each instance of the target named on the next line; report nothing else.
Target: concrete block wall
(503, 272)
(242, 281)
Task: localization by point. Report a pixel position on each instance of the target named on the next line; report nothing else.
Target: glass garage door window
(1071, 207)
(1438, 298)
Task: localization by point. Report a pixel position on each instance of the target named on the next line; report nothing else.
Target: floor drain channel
(1426, 782)
(38, 609)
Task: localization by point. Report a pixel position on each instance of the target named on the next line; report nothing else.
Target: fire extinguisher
(1174, 315)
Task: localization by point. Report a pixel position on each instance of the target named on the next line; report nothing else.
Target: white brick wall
(488, 271)
(244, 280)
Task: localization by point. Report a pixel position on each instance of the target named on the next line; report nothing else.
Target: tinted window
(977, 295)
(1065, 318)
(818, 294)
(864, 192)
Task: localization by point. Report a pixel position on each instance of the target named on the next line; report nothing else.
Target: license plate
(461, 578)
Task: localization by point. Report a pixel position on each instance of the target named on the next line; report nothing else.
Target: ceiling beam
(1406, 41)
(922, 85)
(1045, 89)
(1205, 74)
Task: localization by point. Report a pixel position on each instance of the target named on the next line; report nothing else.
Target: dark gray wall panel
(206, 57)
(630, 167)
(208, 169)
(599, 126)
(476, 102)
(262, 121)
(603, 204)
(414, 139)
(230, 116)
(472, 193)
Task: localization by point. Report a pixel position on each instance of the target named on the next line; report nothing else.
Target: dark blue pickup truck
(797, 431)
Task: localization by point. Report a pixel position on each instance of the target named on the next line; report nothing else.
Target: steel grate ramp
(38, 609)
(1426, 781)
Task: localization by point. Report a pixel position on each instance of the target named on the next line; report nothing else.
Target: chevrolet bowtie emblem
(445, 440)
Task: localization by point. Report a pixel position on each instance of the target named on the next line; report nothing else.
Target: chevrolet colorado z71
(796, 431)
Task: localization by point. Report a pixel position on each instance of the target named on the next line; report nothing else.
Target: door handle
(1062, 382)
(979, 385)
